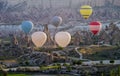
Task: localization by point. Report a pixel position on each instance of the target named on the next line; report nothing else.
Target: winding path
(80, 54)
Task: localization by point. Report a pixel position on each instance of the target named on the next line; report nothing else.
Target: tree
(69, 68)
(79, 62)
(101, 62)
(27, 63)
(4, 73)
(112, 61)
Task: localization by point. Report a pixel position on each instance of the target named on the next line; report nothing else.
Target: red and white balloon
(95, 27)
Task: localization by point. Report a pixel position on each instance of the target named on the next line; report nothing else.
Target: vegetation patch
(101, 53)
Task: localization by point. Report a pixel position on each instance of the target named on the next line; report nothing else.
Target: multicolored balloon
(56, 21)
(86, 11)
(27, 26)
(62, 38)
(39, 38)
(95, 27)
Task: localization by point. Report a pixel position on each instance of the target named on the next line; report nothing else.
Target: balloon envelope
(56, 21)
(39, 38)
(62, 38)
(86, 11)
(95, 27)
(27, 26)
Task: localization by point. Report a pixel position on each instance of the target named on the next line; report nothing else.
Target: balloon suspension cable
(27, 38)
(93, 38)
(54, 36)
(96, 38)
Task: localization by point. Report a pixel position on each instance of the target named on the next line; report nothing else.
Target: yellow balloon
(86, 11)
(62, 38)
(39, 38)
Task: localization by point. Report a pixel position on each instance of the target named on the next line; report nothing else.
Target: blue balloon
(27, 26)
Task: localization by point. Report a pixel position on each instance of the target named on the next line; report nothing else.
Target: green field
(14, 74)
(17, 75)
(32, 75)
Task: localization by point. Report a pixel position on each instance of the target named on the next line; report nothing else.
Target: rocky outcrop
(40, 58)
(10, 52)
(35, 58)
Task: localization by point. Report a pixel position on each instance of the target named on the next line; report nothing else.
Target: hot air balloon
(62, 38)
(86, 11)
(27, 26)
(95, 27)
(56, 21)
(39, 38)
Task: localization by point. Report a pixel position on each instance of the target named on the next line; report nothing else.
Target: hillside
(42, 11)
(65, 3)
(101, 53)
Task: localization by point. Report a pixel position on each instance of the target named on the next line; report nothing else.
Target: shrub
(112, 61)
(101, 62)
(112, 73)
(65, 64)
(79, 62)
(3, 73)
(74, 62)
(119, 71)
(60, 48)
(27, 63)
(69, 68)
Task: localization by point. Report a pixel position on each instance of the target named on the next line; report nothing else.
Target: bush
(58, 64)
(112, 61)
(74, 62)
(115, 72)
(27, 63)
(60, 48)
(65, 64)
(69, 68)
(101, 62)
(78, 62)
(7, 43)
(3, 73)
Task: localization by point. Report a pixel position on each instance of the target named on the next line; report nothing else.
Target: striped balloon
(95, 27)
(86, 11)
